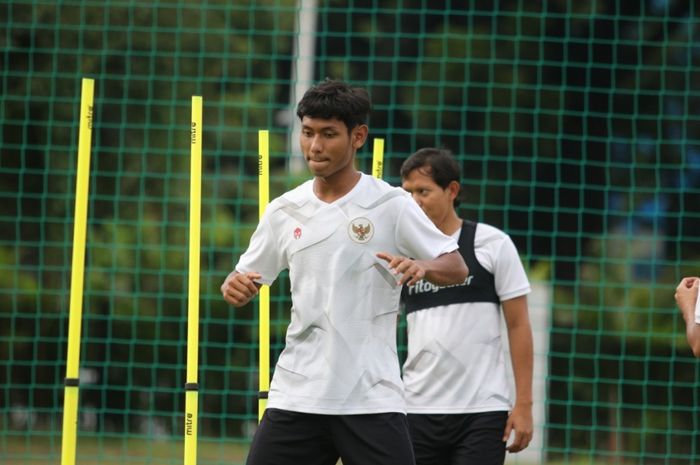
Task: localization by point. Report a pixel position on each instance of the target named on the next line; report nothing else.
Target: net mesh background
(576, 125)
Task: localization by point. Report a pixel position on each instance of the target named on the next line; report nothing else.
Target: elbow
(695, 347)
(696, 350)
(465, 274)
(694, 339)
(464, 269)
(460, 269)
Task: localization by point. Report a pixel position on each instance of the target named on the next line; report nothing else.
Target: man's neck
(451, 225)
(334, 187)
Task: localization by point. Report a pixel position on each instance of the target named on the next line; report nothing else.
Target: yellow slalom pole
(72, 381)
(264, 329)
(378, 158)
(192, 386)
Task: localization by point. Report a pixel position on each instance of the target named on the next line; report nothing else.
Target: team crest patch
(361, 230)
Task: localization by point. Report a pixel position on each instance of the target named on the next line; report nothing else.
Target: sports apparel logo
(361, 230)
(297, 233)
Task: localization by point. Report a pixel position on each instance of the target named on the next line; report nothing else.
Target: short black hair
(336, 99)
(439, 164)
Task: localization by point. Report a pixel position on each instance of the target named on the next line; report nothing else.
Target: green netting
(576, 123)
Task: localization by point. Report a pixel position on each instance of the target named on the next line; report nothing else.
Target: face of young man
(328, 148)
(435, 201)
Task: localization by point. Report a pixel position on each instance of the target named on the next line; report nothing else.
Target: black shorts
(293, 438)
(458, 439)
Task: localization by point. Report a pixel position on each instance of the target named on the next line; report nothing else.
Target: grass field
(44, 450)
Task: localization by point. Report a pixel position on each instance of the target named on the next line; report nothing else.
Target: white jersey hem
(312, 409)
(449, 410)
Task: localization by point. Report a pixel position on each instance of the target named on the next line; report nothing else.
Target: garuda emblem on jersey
(361, 230)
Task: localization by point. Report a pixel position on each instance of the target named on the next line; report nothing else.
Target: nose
(315, 144)
(416, 198)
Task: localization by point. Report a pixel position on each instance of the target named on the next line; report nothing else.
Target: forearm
(692, 331)
(445, 270)
(686, 298)
(521, 354)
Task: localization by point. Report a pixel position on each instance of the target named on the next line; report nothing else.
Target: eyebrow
(321, 129)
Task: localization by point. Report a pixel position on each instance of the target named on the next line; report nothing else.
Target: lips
(317, 161)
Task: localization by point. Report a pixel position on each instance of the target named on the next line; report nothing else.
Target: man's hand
(686, 295)
(410, 271)
(239, 288)
(444, 270)
(520, 422)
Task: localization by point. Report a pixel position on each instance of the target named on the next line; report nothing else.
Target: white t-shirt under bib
(455, 361)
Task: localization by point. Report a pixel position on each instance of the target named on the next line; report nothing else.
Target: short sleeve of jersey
(418, 237)
(263, 254)
(697, 310)
(502, 259)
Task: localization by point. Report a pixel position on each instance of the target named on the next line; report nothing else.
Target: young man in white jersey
(345, 237)
(689, 305)
(460, 408)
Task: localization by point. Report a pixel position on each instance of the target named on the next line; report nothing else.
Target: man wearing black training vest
(460, 407)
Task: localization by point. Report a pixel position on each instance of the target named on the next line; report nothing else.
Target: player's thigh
(479, 440)
(373, 439)
(429, 438)
(292, 438)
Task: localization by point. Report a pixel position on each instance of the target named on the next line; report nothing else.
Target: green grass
(22, 448)
(44, 450)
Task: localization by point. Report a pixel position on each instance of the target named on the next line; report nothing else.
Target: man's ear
(359, 136)
(453, 187)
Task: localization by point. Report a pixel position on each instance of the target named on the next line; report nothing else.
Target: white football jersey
(455, 361)
(340, 354)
